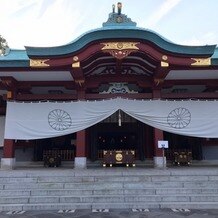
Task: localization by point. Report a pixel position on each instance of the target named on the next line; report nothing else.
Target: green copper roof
(114, 33)
(16, 58)
(119, 26)
(214, 58)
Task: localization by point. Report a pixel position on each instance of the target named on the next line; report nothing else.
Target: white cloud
(163, 10)
(40, 23)
(57, 22)
(209, 38)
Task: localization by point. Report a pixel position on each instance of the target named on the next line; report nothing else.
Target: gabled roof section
(102, 34)
(119, 26)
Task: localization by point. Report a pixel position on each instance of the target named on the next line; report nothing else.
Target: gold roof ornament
(117, 19)
(113, 8)
(119, 8)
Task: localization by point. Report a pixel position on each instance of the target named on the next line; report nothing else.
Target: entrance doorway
(117, 140)
(111, 136)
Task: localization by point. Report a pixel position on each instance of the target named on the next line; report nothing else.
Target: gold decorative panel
(9, 95)
(201, 62)
(39, 63)
(76, 65)
(164, 64)
(120, 45)
(120, 50)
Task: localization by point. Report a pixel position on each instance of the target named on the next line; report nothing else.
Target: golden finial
(119, 7)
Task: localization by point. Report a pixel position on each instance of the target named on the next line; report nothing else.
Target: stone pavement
(143, 213)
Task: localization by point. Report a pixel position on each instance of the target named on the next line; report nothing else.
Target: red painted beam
(203, 95)
(42, 97)
(82, 55)
(149, 50)
(30, 97)
(96, 81)
(109, 96)
(206, 82)
(158, 55)
(22, 84)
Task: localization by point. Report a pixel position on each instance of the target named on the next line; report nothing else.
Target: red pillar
(9, 144)
(81, 143)
(158, 136)
(9, 148)
(80, 159)
(8, 160)
(159, 161)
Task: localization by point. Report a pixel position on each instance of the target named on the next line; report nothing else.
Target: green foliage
(4, 49)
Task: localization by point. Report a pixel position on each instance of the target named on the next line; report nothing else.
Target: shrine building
(115, 88)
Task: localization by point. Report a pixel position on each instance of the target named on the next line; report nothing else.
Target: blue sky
(57, 22)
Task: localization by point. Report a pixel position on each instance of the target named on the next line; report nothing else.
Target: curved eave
(121, 33)
(12, 64)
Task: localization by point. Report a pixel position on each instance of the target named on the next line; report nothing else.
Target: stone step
(153, 205)
(121, 191)
(138, 178)
(190, 205)
(70, 206)
(61, 172)
(109, 185)
(108, 199)
(54, 189)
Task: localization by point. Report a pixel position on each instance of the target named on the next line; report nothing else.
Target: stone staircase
(107, 188)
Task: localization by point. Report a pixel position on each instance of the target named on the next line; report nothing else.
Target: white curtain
(50, 119)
